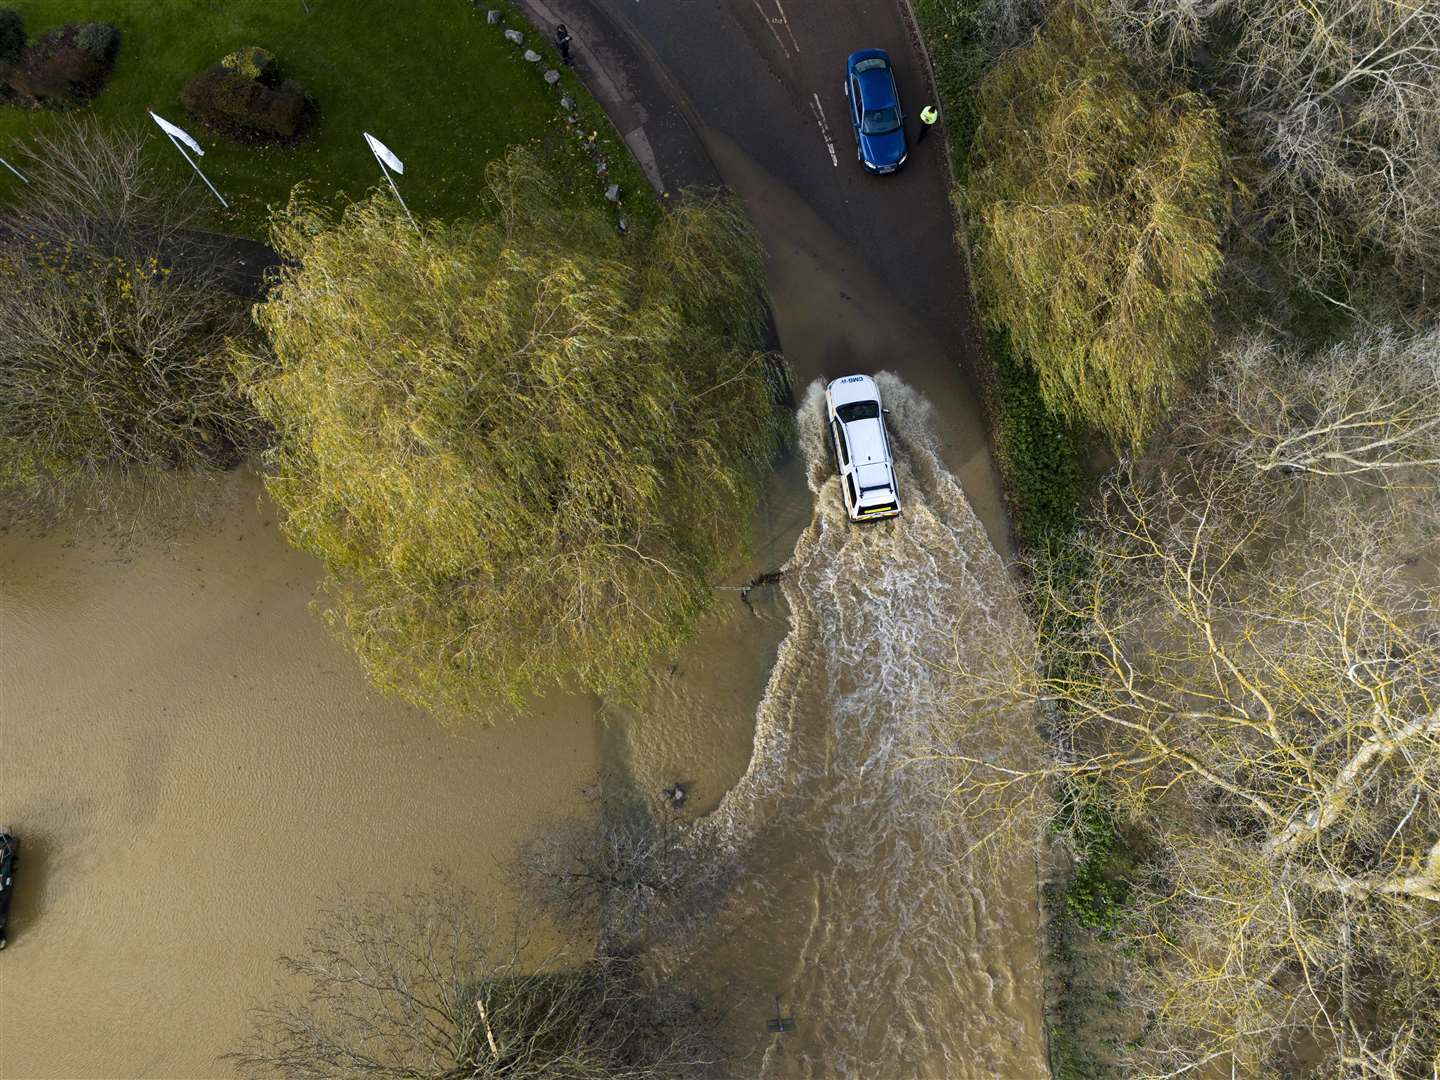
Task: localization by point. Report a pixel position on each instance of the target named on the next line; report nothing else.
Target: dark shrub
(12, 37)
(114, 325)
(65, 67)
(244, 109)
(246, 98)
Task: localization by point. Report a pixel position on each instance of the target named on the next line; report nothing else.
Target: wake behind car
(875, 111)
(862, 448)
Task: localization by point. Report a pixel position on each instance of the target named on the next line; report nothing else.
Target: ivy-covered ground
(430, 78)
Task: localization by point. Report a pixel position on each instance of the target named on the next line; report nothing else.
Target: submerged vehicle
(862, 448)
(9, 852)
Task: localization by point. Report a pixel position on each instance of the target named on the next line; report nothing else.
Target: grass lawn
(429, 78)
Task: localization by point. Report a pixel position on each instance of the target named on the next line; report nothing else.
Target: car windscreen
(858, 410)
(869, 65)
(880, 121)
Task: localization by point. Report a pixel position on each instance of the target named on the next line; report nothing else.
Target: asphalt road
(863, 270)
(768, 75)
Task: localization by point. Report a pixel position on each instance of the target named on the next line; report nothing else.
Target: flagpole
(176, 143)
(393, 188)
(16, 171)
(180, 135)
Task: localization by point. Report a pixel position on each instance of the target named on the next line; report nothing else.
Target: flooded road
(857, 909)
(836, 315)
(196, 765)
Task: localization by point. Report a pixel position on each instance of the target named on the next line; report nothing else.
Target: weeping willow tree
(523, 446)
(1097, 209)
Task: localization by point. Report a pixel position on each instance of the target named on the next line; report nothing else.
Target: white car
(862, 448)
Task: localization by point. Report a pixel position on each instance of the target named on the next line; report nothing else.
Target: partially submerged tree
(113, 325)
(1097, 208)
(1338, 104)
(523, 447)
(635, 874)
(424, 987)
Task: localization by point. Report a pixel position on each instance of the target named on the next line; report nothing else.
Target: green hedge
(1038, 452)
(1097, 890)
(955, 42)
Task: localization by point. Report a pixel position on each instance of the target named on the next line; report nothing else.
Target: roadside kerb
(631, 128)
(577, 110)
(912, 24)
(616, 69)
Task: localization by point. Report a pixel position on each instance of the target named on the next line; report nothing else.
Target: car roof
(867, 54)
(878, 88)
(873, 476)
(867, 442)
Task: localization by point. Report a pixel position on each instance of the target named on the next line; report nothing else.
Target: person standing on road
(928, 115)
(562, 42)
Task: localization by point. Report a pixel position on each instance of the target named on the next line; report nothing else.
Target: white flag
(176, 132)
(383, 152)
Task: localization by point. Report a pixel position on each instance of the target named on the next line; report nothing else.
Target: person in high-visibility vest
(928, 115)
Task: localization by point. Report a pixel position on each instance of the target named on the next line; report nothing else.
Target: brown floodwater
(895, 955)
(196, 766)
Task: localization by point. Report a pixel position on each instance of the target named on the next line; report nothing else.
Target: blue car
(875, 111)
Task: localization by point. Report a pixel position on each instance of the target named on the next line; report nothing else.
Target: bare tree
(113, 325)
(425, 987)
(1253, 672)
(1338, 102)
(636, 874)
(1366, 409)
(1002, 24)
